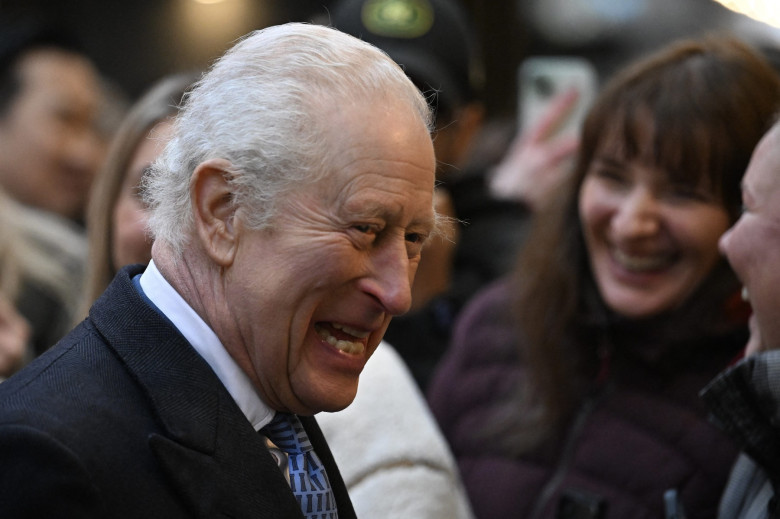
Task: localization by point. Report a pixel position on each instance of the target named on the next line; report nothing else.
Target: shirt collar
(207, 344)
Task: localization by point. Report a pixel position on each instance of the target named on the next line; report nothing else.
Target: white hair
(261, 108)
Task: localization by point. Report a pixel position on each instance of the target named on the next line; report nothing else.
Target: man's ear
(213, 210)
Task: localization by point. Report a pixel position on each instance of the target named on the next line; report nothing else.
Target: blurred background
(134, 42)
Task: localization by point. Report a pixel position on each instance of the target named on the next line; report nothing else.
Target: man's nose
(390, 281)
(723, 242)
(638, 216)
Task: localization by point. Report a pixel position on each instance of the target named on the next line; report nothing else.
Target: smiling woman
(650, 241)
(586, 365)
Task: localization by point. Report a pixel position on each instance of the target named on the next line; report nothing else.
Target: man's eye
(414, 243)
(364, 228)
(414, 237)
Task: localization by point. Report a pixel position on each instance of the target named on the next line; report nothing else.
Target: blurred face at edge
(312, 297)
(50, 146)
(752, 245)
(651, 241)
(130, 242)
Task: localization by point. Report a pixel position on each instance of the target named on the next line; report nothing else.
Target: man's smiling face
(312, 296)
(752, 245)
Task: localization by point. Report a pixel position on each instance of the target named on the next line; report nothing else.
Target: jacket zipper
(562, 467)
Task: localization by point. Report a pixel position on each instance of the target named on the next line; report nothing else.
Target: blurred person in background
(571, 387)
(51, 97)
(14, 329)
(14, 336)
(117, 215)
(745, 398)
(36, 288)
(54, 122)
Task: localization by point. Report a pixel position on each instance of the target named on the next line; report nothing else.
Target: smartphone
(542, 79)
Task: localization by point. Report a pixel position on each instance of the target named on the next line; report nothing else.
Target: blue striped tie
(308, 479)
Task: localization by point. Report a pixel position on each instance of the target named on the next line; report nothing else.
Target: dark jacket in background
(641, 432)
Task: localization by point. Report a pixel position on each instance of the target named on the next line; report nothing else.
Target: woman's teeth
(642, 263)
(350, 347)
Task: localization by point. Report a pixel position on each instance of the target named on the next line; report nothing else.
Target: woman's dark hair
(695, 109)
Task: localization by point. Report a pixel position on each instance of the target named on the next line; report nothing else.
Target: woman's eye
(690, 193)
(612, 175)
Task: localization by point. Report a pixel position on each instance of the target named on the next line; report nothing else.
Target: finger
(563, 148)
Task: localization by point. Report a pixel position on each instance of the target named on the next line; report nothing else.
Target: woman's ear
(213, 210)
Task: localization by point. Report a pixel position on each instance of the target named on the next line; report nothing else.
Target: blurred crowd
(563, 323)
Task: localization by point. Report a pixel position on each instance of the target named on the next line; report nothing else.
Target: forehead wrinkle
(375, 207)
(379, 162)
(372, 202)
(384, 168)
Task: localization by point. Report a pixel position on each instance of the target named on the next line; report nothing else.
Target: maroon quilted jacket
(639, 434)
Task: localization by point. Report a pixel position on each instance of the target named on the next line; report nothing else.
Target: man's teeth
(352, 331)
(745, 294)
(641, 263)
(340, 344)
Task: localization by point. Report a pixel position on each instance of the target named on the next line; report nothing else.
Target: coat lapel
(239, 479)
(209, 451)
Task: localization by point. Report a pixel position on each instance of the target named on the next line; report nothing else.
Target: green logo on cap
(398, 18)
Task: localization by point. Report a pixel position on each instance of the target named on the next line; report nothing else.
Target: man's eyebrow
(433, 222)
(429, 224)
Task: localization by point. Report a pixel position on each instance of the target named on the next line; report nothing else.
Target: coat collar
(743, 402)
(177, 381)
(209, 450)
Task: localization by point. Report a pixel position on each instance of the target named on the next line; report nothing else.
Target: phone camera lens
(544, 86)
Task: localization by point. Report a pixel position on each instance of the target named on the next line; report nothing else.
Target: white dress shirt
(207, 344)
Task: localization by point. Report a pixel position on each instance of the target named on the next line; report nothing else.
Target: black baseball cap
(431, 39)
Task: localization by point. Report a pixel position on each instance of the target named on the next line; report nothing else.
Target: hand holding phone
(556, 92)
(555, 95)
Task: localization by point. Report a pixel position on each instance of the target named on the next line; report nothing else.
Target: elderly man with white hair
(288, 211)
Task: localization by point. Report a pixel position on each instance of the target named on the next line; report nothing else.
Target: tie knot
(287, 433)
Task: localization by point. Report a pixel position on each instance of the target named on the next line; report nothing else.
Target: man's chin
(328, 399)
